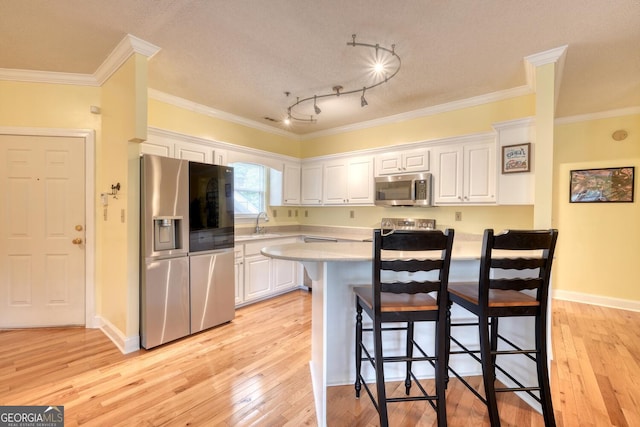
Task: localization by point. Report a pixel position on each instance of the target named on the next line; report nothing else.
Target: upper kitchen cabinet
(311, 183)
(402, 161)
(349, 181)
(465, 173)
(285, 185)
(516, 188)
(182, 147)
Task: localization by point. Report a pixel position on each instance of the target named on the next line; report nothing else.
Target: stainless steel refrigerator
(187, 272)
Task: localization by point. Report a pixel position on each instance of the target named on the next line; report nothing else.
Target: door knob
(76, 241)
(78, 227)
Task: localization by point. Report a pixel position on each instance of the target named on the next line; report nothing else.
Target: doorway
(44, 224)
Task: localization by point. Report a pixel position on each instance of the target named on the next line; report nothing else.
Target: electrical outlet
(458, 216)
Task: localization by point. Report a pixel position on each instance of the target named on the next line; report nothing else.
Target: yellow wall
(599, 244)
(170, 117)
(474, 218)
(124, 120)
(452, 123)
(48, 105)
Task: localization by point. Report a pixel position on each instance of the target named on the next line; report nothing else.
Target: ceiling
(241, 57)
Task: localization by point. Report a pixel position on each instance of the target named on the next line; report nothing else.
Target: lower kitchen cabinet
(257, 274)
(263, 277)
(238, 254)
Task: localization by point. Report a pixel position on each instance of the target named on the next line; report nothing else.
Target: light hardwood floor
(254, 371)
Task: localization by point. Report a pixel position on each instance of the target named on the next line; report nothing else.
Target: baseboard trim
(619, 303)
(125, 344)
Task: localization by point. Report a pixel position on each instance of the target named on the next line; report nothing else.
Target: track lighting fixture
(379, 72)
(315, 106)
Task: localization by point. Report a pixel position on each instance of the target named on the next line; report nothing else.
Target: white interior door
(42, 231)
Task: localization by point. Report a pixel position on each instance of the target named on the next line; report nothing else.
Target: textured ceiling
(240, 57)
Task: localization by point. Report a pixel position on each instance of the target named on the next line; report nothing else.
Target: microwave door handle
(413, 190)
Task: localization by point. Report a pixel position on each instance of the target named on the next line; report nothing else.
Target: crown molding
(34, 76)
(597, 116)
(127, 47)
(429, 111)
(218, 114)
(556, 55)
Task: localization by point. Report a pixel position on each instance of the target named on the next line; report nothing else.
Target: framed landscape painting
(602, 185)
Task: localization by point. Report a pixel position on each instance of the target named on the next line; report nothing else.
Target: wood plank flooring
(254, 371)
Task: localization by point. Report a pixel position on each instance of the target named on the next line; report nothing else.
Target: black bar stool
(423, 297)
(515, 270)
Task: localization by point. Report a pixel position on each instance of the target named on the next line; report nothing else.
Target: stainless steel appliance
(211, 239)
(164, 286)
(187, 275)
(407, 224)
(403, 190)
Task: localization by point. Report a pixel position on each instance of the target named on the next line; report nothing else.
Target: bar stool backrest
(412, 251)
(529, 252)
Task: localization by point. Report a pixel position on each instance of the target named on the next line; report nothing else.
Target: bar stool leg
(407, 380)
(488, 371)
(382, 395)
(543, 375)
(441, 371)
(494, 343)
(358, 385)
(447, 344)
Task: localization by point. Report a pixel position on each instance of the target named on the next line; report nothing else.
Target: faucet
(266, 219)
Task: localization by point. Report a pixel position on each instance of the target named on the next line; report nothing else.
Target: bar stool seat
(497, 297)
(397, 302)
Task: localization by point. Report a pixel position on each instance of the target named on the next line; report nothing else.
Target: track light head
(363, 101)
(315, 106)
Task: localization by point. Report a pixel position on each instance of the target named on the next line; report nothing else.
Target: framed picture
(602, 185)
(516, 158)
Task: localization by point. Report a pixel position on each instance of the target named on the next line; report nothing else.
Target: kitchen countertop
(340, 235)
(354, 251)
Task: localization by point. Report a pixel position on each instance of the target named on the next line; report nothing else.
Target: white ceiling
(240, 57)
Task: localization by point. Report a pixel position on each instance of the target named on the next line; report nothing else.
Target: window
(249, 181)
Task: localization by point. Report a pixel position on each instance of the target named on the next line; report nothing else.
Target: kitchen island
(335, 268)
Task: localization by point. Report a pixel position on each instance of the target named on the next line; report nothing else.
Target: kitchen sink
(257, 236)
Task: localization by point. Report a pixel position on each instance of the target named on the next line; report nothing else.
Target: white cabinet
(157, 148)
(311, 184)
(348, 181)
(184, 150)
(192, 152)
(264, 277)
(285, 185)
(257, 271)
(465, 173)
(238, 265)
(283, 274)
(404, 161)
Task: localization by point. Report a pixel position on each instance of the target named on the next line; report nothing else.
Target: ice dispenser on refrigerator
(166, 232)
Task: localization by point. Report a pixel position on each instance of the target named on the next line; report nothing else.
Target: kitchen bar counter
(335, 268)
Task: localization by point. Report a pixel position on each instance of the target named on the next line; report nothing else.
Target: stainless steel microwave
(403, 190)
